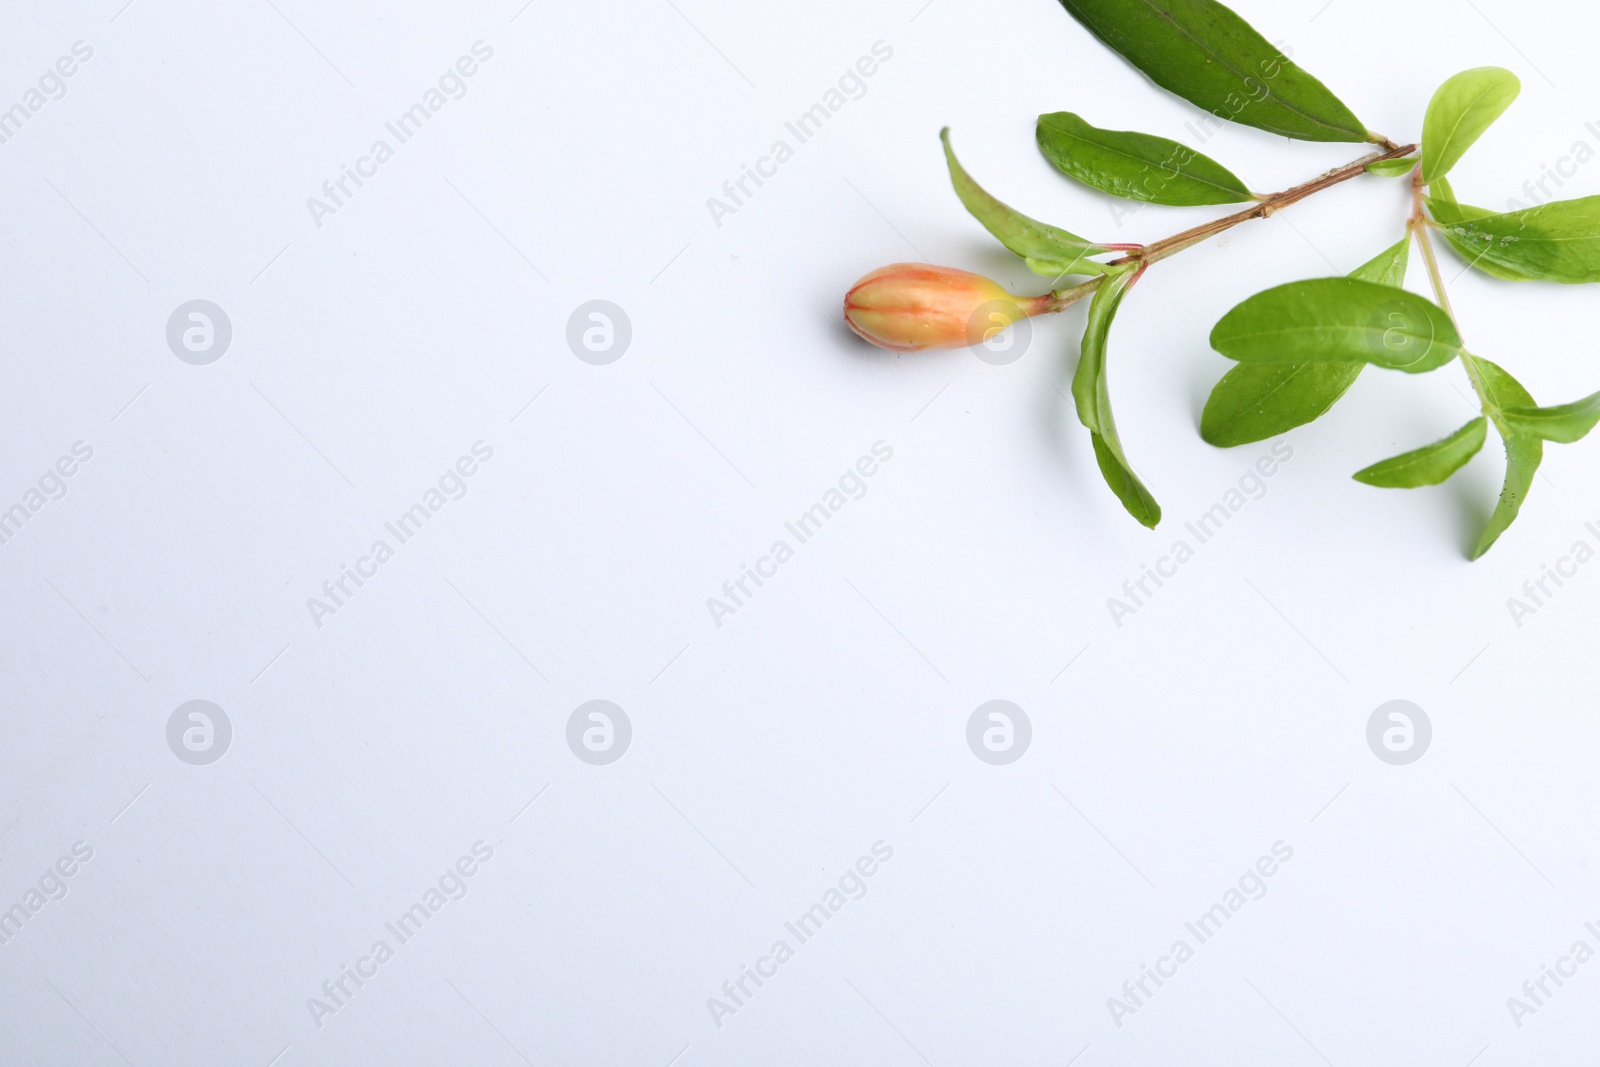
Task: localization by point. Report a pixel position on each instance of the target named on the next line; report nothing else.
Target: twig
(1171, 246)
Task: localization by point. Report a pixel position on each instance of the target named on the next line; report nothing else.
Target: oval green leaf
(1339, 320)
(1136, 166)
(1464, 107)
(1046, 249)
(1564, 424)
(1555, 242)
(1431, 465)
(1524, 452)
(1255, 401)
(1205, 53)
(1091, 392)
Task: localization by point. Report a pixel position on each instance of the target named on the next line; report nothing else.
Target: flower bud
(909, 307)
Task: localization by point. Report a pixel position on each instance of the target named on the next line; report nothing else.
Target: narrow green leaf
(1524, 452)
(1393, 168)
(1431, 465)
(1554, 242)
(1342, 320)
(1205, 53)
(1464, 107)
(1091, 391)
(1255, 401)
(1564, 424)
(1136, 166)
(1119, 476)
(1046, 249)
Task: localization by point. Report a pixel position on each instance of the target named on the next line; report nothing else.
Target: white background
(829, 712)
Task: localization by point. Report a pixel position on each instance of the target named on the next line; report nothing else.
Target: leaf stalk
(1419, 224)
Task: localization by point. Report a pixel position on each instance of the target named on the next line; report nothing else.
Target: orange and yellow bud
(911, 307)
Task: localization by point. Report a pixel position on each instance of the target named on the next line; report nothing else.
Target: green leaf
(1453, 216)
(1464, 107)
(1203, 52)
(1442, 195)
(1431, 465)
(1091, 392)
(1555, 242)
(1255, 401)
(1524, 452)
(1136, 166)
(1047, 250)
(1564, 424)
(1393, 168)
(1119, 476)
(1502, 390)
(1387, 267)
(1344, 320)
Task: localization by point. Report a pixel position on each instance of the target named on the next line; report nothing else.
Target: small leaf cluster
(1299, 347)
